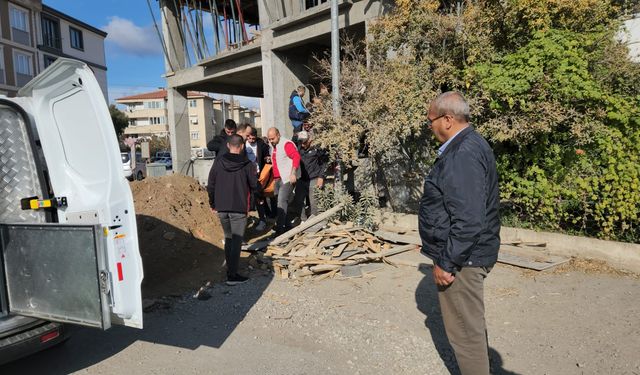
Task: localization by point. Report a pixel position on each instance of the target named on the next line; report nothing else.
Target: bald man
(286, 171)
(460, 227)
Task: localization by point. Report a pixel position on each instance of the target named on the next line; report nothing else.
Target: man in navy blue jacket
(231, 180)
(460, 227)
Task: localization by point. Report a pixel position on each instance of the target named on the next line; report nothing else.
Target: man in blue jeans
(297, 110)
(231, 180)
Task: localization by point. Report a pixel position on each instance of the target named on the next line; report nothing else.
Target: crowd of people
(276, 176)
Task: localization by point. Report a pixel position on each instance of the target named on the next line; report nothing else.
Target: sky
(135, 61)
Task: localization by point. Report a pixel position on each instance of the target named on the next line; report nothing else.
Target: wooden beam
(307, 224)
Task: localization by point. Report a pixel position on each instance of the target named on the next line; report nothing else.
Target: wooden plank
(333, 242)
(338, 250)
(325, 267)
(258, 245)
(398, 238)
(527, 258)
(387, 253)
(307, 224)
(395, 229)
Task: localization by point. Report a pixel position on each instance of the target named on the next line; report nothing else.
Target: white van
(68, 238)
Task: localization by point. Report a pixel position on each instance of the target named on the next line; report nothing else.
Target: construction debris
(342, 249)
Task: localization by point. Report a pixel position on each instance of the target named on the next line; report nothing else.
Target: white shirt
(252, 153)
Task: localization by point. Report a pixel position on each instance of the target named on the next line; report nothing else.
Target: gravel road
(387, 323)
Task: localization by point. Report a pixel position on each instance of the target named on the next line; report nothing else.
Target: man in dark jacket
(460, 227)
(258, 152)
(231, 179)
(313, 167)
(298, 112)
(219, 143)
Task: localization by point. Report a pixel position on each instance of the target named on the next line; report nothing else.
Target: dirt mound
(180, 239)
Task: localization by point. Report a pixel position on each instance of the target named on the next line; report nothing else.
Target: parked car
(168, 163)
(139, 172)
(162, 155)
(69, 252)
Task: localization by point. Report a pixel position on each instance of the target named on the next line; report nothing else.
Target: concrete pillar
(179, 129)
(177, 105)
(282, 72)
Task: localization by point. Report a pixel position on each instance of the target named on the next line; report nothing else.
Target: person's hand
(319, 182)
(213, 210)
(293, 179)
(442, 277)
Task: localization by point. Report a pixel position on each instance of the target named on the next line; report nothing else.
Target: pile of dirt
(180, 239)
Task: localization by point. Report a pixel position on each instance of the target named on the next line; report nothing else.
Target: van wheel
(139, 176)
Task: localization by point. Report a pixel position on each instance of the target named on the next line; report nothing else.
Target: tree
(549, 85)
(119, 119)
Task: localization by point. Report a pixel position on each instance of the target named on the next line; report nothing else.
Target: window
(193, 103)
(50, 33)
(48, 60)
(76, 38)
(195, 135)
(19, 19)
(154, 105)
(157, 120)
(23, 68)
(3, 79)
(193, 120)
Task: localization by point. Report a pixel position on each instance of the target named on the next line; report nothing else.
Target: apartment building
(18, 51)
(148, 115)
(65, 36)
(33, 35)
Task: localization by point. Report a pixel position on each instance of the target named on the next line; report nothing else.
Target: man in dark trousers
(231, 180)
(286, 171)
(219, 143)
(460, 227)
(313, 166)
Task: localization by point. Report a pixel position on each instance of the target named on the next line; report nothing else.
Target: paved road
(570, 323)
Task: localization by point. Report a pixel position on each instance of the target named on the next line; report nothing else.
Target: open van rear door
(86, 269)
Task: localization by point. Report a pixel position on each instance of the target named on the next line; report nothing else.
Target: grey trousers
(304, 189)
(284, 198)
(462, 305)
(233, 225)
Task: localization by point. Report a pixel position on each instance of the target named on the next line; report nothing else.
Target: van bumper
(31, 341)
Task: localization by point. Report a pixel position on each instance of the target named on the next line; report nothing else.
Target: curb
(620, 255)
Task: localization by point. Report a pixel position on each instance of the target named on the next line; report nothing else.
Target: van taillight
(49, 336)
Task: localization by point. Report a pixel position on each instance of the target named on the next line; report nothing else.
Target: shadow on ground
(427, 302)
(178, 267)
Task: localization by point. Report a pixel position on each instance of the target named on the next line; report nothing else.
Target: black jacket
(219, 144)
(459, 220)
(262, 153)
(231, 179)
(314, 163)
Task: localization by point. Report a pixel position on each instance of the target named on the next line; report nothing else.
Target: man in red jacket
(286, 171)
(231, 180)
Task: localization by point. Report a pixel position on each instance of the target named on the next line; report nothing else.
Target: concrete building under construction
(261, 48)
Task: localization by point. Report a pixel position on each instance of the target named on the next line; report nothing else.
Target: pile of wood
(339, 248)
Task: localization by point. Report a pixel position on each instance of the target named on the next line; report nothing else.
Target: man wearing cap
(459, 225)
(286, 171)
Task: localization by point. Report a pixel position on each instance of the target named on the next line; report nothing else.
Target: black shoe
(237, 279)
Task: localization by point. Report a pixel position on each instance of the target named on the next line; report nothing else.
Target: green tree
(119, 119)
(549, 86)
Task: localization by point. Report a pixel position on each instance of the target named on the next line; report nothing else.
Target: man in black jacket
(219, 143)
(313, 168)
(231, 179)
(460, 227)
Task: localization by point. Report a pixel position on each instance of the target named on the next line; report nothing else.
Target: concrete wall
(632, 28)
